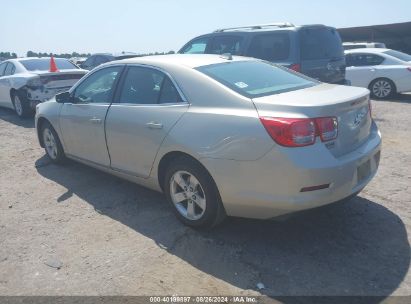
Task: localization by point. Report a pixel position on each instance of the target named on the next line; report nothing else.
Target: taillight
(295, 67)
(327, 128)
(290, 132)
(300, 132)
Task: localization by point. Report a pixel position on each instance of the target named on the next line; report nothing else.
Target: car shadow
(10, 116)
(401, 98)
(356, 247)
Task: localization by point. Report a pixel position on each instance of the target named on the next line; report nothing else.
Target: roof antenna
(227, 56)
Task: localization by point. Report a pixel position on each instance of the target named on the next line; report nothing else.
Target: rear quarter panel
(219, 123)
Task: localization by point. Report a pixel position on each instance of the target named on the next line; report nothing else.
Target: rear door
(4, 85)
(322, 54)
(226, 44)
(362, 68)
(145, 109)
(82, 120)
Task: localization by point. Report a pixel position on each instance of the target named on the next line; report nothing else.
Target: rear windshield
(43, 64)
(398, 55)
(320, 43)
(256, 78)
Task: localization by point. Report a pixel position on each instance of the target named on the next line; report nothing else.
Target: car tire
(21, 105)
(52, 144)
(193, 195)
(382, 88)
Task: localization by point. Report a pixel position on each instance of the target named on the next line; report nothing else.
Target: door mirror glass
(63, 97)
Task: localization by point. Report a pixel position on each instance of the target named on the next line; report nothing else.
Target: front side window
(98, 87)
(43, 64)
(226, 44)
(270, 47)
(197, 46)
(143, 85)
(256, 78)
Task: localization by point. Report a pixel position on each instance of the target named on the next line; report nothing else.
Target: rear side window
(320, 43)
(2, 68)
(226, 44)
(197, 46)
(169, 93)
(270, 47)
(363, 60)
(256, 78)
(10, 69)
(141, 86)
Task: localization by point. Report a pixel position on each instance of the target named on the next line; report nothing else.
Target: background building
(396, 36)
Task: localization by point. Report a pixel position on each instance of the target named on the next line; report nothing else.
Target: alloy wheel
(187, 195)
(50, 143)
(18, 106)
(382, 88)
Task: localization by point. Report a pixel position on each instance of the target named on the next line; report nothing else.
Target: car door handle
(154, 125)
(95, 120)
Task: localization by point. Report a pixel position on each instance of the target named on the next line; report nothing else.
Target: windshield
(398, 55)
(320, 43)
(43, 64)
(256, 78)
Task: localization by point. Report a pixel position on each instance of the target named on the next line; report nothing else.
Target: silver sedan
(219, 135)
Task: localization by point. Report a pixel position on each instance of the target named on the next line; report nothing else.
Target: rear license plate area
(363, 171)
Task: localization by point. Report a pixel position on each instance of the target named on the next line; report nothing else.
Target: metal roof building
(396, 36)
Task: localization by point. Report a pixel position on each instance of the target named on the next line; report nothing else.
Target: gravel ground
(72, 230)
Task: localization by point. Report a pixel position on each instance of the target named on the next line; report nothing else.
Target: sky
(144, 26)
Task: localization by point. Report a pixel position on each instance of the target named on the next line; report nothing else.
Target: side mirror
(63, 97)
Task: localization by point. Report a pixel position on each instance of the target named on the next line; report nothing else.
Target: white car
(384, 72)
(25, 82)
(361, 45)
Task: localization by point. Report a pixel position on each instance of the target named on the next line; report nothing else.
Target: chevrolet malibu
(219, 135)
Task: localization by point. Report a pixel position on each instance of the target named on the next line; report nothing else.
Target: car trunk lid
(61, 79)
(348, 104)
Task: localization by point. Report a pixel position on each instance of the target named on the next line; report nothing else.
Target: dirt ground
(72, 230)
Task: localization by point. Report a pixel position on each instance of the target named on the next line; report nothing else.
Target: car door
(147, 106)
(82, 119)
(226, 44)
(361, 68)
(4, 85)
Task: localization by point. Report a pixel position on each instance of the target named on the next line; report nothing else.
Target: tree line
(9, 55)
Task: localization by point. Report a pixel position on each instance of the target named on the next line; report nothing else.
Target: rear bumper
(271, 186)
